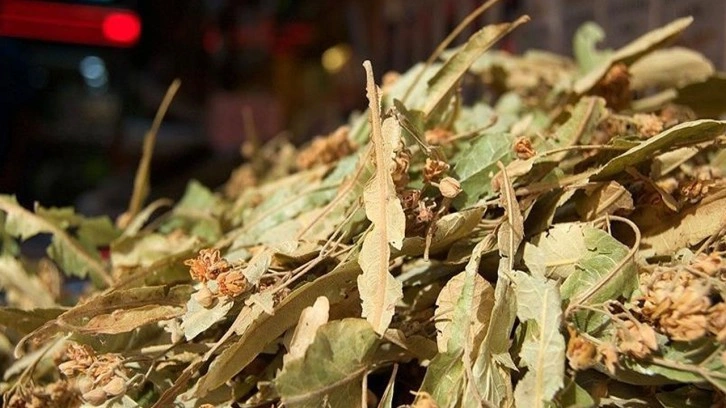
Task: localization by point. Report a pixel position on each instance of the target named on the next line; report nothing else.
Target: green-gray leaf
(333, 367)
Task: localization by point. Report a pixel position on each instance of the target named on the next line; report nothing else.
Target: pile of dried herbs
(496, 230)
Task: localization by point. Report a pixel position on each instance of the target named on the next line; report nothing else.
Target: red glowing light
(123, 28)
(69, 23)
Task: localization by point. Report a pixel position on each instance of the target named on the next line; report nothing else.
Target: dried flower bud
(608, 354)
(438, 136)
(116, 386)
(424, 213)
(434, 170)
(95, 397)
(402, 162)
(410, 199)
(615, 87)
(648, 125)
(84, 384)
(232, 283)
(636, 339)
(449, 187)
(326, 149)
(204, 297)
(523, 148)
(207, 266)
(580, 353)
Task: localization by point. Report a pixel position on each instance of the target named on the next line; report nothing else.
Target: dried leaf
(475, 167)
(25, 321)
(311, 318)
(104, 306)
(267, 328)
(707, 98)
(146, 249)
(128, 319)
(198, 318)
(448, 76)
(632, 52)
(604, 253)
(670, 67)
(479, 315)
(543, 350)
(685, 229)
(73, 257)
(379, 290)
(604, 199)
(445, 380)
(197, 212)
(585, 116)
(556, 252)
(30, 290)
(449, 229)
(333, 367)
(584, 46)
(684, 134)
(511, 231)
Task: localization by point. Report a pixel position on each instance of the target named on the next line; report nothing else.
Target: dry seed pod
(449, 187)
(232, 283)
(580, 353)
(95, 397)
(84, 384)
(523, 148)
(116, 386)
(204, 297)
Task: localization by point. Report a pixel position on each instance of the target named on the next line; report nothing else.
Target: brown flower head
(717, 321)
(648, 124)
(232, 283)
(326, 149)
(434, 170)
(80, 358)
(608, 355)
(615, 87)
(636, 339)
(207, 266)
(580, 352)
(523, 148)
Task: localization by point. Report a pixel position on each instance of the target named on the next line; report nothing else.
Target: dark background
(70, 139)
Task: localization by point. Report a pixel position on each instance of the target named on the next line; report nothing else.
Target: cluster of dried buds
(636, 339)
(419, 210)
(210, 267)
(97, 377)
(583, 354)
(680, 302)
(523, 148)
(648, 124)
(326, 149)
(694, 186)
(56, 394)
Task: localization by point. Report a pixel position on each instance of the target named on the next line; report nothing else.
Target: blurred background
(80, 81)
